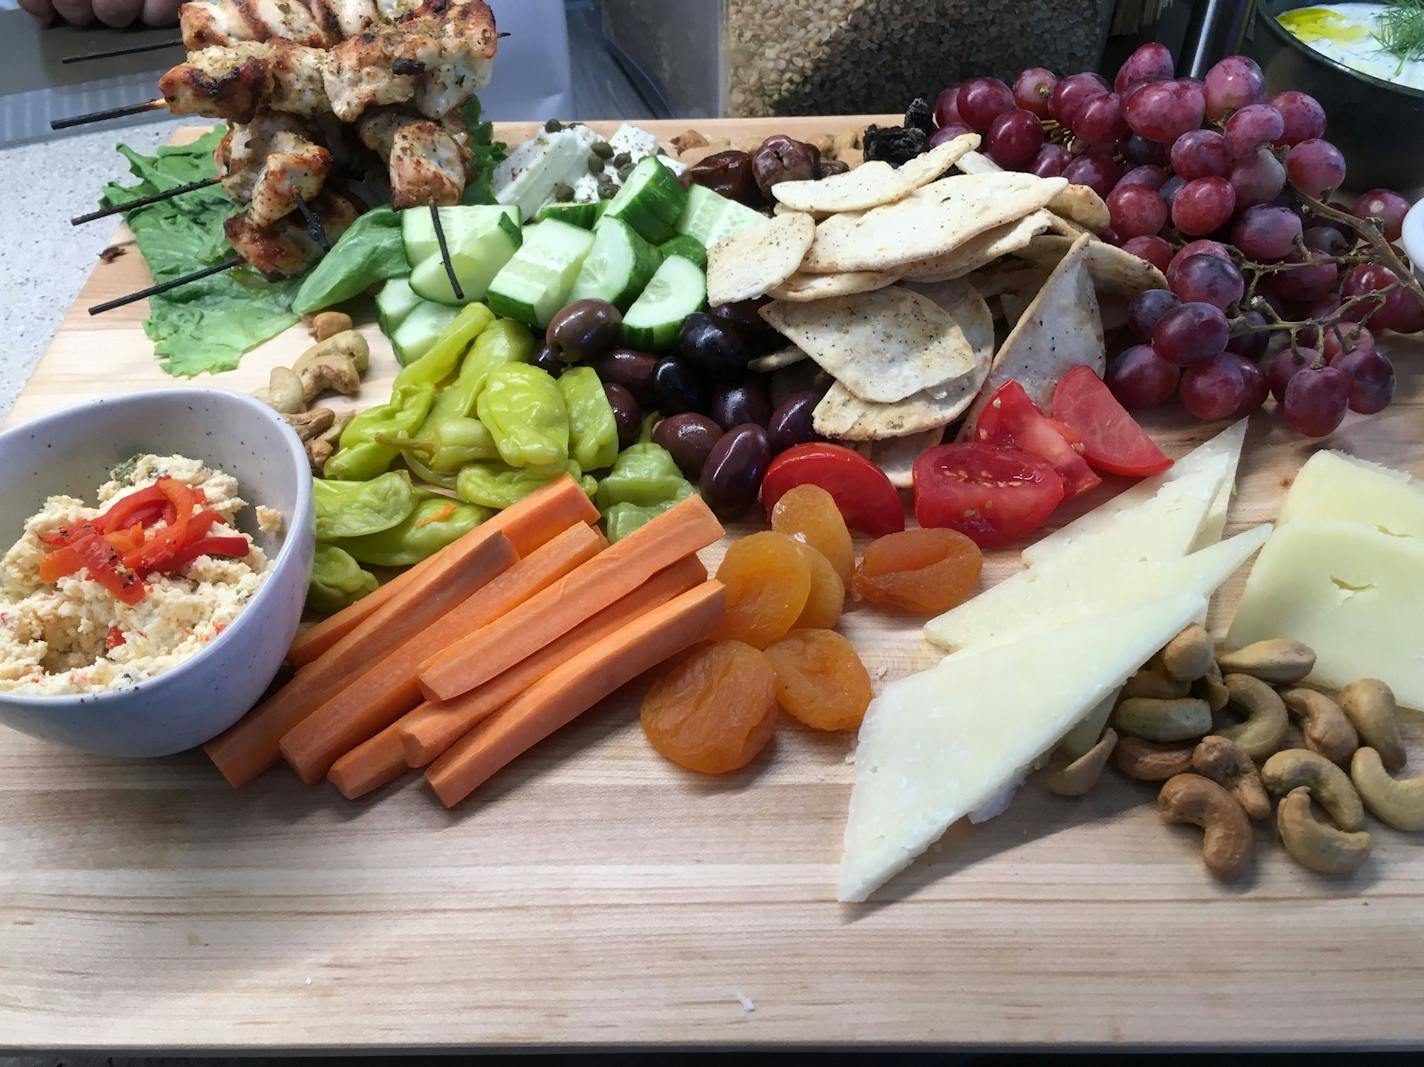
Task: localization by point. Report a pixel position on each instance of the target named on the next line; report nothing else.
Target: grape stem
(1239, 325)
(1372, 233)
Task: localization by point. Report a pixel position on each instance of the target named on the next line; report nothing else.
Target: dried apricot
(923, 572)
(714, 711)
(820, 679)
(809, 514)
(827, 596)
(768, 580)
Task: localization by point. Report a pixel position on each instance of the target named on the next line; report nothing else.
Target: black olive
(626, 413)
(545, 359)
(583, 329)
(713, 345)
(689, 438)
(678, 386)
(791, 423)
(731, 477)
(629, 368)
(743, 402)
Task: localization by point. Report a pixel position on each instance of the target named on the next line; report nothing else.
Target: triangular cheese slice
(940, 744)
(1335, 485)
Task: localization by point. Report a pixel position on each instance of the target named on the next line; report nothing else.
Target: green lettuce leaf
(370, 251)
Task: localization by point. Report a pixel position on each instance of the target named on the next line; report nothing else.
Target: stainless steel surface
(672, 50)
(1215, 30)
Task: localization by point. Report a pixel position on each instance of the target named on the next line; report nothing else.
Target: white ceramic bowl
(71, 452)
(1412, 236)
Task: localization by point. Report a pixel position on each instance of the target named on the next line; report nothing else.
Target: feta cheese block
(945, 742)
(1351, 592)
(526, 178)
(1334, 485)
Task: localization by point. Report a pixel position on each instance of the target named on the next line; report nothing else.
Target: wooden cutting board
(593, 894)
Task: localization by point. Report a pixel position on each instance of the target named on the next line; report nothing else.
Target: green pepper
(447, 444)
(593, 434)
(337, 580)
(426, 475)
(361, 455)
(354, 509)
(622, 519)
(442, 359)
(526, 413)
(494, 484)
(503, 341)
(643, 474)
(436, 522)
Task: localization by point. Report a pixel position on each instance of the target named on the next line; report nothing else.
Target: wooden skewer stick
(315, 228)
(163, 287)
(156, 104)
(445, 251)
(143, 201)
(152, 46)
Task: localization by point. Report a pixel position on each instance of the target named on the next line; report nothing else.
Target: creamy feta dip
(1348, 34)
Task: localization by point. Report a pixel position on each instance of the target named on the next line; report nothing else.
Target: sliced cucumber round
(677, 290)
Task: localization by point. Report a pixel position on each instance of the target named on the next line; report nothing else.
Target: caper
(553, 126)
(622, 159)
(606, 189)
(602, 149)
(563, 193)
(624, 171)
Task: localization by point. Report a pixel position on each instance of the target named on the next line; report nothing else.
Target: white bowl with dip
(70, 453)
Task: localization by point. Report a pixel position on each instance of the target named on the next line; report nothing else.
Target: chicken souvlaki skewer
(272, 164)
(428, 162)
(316, 23)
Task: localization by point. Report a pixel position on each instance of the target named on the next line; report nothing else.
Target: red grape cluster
(1272, 290)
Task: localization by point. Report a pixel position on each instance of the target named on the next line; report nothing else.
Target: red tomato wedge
(1112, 439)
(860, 489)
(1013, 420)
(990, 493)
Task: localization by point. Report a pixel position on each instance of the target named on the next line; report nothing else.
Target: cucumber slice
(418, 232)
(537, 281)
(710, 216)
(618, 266)
(582, 215)
(677, 290)
(421, 329)
(477, 252)
(686, 247)
(394, 302)
(651, 201)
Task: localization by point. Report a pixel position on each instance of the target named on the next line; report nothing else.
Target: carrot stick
(374, 699)
(369, 765)
(430, 729)
(573, 687)
(531, 522)
(249, 747)
(476, 659)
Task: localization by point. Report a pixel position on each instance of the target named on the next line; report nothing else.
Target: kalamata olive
(782, 159)
(744, 401)
(713, 346)
(626, 413)
(631, 369)
(728, 173)
(545, 359)
(731, 477)
(826, 167)
(800, 377)
(791, 422)
(745, 317)
(583, 329)
(677, 386)
(689, 437)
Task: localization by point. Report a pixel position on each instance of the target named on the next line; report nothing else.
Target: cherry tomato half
(990, 493)
(1012, 419)
(1112, 439)
(860, 489)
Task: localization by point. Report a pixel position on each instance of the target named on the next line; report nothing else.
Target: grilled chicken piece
(467, 45)
(379, 67)
(233, 82)
(205, 23)
(284, 248)
(428, 162)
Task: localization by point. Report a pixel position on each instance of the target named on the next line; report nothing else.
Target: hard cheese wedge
(940, 744)
(1350, 592)
(1333, 485)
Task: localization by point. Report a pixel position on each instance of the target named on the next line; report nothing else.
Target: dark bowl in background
(1378, 125)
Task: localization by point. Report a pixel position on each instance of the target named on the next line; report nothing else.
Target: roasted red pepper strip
(235, 546)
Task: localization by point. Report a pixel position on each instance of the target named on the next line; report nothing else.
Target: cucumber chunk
(618, 266)
(710, 216)
(686, 247)
(585, 216)
(537, 281)
(421, 329)
(394, 302)
(477, 253)
(651, 201)
(677, 290)
(418, 232)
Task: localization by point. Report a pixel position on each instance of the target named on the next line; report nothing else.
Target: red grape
(1327, 239)
(947, 107)
(1316, 399)
(1382, 313)
(1099, 121)
(1255, 382)
(1151, 62)
(1408, 317)
(1214, 388)
(1209, 280)
(1050, 161)
(1286, 364)
(1098, 173)
(1032, 89)
(1014, 138)
(1163, 111)
(1371, 379)
(1140, 378)
(1347, 337)
(1315, 167)
(1258, 178)
(1234, 83)
(1136, 211)
(1314, 279)
(1201, 154)
(949, 133)
(1203, 206)
(1302, 114)
(1110, 237)
(1071, 93)
(982, 100)
(1253, 126)
(1146, 309)
(1266, 233)
(1248, 343)
(1153, 249)
(1170, 188)
(1139, 150)
(1385, 206)
(1190, 333)
(1148, 174)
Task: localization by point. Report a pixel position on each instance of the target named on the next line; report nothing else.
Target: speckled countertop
(43, 259)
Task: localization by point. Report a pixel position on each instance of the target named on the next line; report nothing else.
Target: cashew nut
(311, 424)
(1157, 686)
(1226, 764)
(1163, 720)
(1369, 704)
(1264, 730)
(1397, 802)
(318, 452)
(329, 323)
(329, 374)
(1147, 762)
(1328, 784)
(1189, 655)
(283, 393)
(348, 343)
(1279, 661)
(1228, 838)
(1083, 773)
(1314, 844)
(1212, 689)
(1323, 724)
